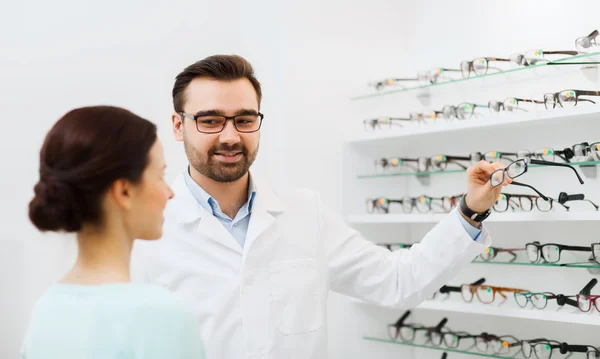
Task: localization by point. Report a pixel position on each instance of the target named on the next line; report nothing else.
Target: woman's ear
(121, 192)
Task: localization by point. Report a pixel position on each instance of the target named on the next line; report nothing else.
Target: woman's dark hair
(83, 154)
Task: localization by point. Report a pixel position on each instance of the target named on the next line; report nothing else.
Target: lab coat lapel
(266, 208)
(188, 210)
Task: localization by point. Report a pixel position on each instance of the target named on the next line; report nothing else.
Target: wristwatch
(477, 217)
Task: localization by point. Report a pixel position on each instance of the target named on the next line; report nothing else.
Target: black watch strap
(477, 217)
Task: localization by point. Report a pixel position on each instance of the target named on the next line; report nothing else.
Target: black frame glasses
(519, 168)
(550, 252)
(253, 122)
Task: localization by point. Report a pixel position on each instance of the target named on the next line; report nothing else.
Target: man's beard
(208, 166)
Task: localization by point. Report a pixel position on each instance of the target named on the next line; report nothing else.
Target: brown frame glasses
(567, 98)
(483, 292)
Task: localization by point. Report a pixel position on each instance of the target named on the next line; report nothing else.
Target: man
(257, 266)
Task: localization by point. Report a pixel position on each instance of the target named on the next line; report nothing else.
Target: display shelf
(450, 128)
(529, 264)
(495, 217)
(427, 173)
(469, 79)
(435, 348)
(562, 315)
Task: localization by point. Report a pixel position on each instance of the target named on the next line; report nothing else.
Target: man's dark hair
(217, 67)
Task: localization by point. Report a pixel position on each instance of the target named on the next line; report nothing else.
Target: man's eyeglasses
(567, 98)
(246, 123)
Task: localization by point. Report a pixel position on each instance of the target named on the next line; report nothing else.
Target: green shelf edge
(424, 174)
(391, 92)
(436, 348)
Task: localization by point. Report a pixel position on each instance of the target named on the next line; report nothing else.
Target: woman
(101, 176)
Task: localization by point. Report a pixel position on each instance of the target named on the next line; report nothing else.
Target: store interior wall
(311, 56)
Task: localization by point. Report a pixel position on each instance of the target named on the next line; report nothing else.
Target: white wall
(310, 56)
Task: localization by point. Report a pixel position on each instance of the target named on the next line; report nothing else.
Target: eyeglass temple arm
(588, 287)
(567, 52)
(528, 100)
(438, 328)
(577, 248)
(496, 59)
(528, 186)
(565, 348)
(562, 299)
(402, 319)
(548, 163)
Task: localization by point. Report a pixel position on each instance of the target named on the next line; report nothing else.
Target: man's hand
(481, 196)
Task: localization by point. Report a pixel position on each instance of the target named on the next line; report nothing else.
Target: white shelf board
(506, 120)
(566, 314)
(495, 217)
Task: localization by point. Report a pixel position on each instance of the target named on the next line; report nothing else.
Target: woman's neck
(104, 257)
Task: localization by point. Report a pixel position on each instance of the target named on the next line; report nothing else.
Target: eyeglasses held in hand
(213, 123)
(567, 98)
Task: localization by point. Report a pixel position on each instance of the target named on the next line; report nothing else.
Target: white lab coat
(268, 300)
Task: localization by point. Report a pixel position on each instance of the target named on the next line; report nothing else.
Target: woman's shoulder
(135, 298)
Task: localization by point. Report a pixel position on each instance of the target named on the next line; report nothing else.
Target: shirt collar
(207, 201)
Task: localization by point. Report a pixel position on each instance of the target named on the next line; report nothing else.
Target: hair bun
(55, 207)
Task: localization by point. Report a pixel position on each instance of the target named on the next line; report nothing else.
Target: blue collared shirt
(238, 227)
(472, 231)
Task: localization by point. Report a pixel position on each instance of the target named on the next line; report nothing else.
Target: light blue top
(238, 227)
(111, 321)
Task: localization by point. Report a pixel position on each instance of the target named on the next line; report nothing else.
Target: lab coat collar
(187, 209)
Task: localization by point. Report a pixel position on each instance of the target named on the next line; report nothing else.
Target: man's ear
(177, 121)
(121, 193)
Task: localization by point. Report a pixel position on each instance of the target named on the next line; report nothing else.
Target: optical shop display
(580, 152)
(541, 267)
(467, 110)
(480, 66)
(441, 336)
(488, 294)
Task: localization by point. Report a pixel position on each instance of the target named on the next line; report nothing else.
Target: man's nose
(229, 134)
